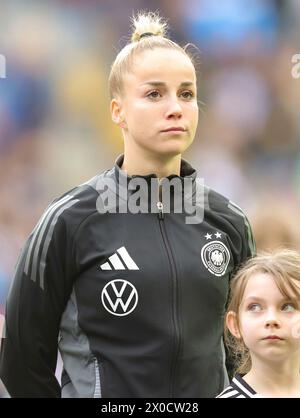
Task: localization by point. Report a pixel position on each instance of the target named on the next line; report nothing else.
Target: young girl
(135, 295)
(263, 327)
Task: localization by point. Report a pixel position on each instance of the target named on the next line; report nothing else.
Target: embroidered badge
(215, 256)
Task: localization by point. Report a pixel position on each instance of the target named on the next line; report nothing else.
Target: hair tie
(146, 34)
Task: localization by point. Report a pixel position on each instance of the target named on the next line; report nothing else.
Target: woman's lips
(174, 129)
(273, 337)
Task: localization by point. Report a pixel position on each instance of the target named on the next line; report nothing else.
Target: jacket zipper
(174, 279)
(98, 389)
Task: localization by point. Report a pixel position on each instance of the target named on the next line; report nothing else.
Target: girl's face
(269, 323)
(159, 94)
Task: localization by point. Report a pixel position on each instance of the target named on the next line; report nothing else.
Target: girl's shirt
(239, 388)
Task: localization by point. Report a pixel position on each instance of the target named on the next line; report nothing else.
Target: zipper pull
(160, 208)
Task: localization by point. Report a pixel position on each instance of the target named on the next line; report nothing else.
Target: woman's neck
(275, 379)
(162, 166)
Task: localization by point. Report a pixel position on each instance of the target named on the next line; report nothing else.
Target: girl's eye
(153, 94)
(288, 307)
(254, 307)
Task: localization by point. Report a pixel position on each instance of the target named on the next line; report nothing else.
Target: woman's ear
(232, 324)
(117, 112)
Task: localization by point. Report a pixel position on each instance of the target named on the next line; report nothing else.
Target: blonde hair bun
(147, 24)
(144, 25)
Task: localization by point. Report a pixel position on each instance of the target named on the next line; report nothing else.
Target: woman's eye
(254, 307)
(153, 94)
(288, 307)
(187, 94)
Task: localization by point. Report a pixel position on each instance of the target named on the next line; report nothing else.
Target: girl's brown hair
(149, 32)
(284, 267)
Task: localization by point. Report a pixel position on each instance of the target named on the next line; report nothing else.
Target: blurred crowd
(55, 127)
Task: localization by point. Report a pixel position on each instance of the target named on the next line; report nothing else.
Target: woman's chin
(172, 149)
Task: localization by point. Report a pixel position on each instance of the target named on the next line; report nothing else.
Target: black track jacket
(134, 301)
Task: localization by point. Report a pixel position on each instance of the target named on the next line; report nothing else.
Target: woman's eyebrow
(163, 84)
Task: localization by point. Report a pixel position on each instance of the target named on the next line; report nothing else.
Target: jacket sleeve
(39, 291)
(249, 240)
(248, 247)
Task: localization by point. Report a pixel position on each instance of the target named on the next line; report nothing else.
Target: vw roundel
(119, 297)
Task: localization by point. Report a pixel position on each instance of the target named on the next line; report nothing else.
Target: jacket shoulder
(226, 207)
(229, 211)
(78, 203)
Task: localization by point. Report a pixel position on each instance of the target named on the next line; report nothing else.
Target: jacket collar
(144, 194)
(186, 171)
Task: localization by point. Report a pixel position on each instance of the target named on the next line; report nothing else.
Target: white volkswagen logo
(119, 297)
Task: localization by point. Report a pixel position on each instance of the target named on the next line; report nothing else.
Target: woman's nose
(174, 109)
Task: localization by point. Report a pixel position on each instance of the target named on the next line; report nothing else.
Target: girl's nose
(272, 320)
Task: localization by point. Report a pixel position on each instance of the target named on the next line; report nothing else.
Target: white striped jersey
(239, 388)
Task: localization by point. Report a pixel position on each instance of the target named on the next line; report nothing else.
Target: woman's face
(159, 94)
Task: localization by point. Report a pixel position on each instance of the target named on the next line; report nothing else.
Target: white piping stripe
(49, 237)
(97, 391)
(127, 259)
(39, 225)
(228, 394)
(40, 237)
(235, 210)
(236, 206)
(2, 327)
(225, 390)
(251, 243)
(116, 262)
(237, 383)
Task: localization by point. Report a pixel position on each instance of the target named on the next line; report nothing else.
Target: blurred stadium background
(55, 126)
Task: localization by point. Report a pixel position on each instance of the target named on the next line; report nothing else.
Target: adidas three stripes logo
(35, 261)
(119, 260)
